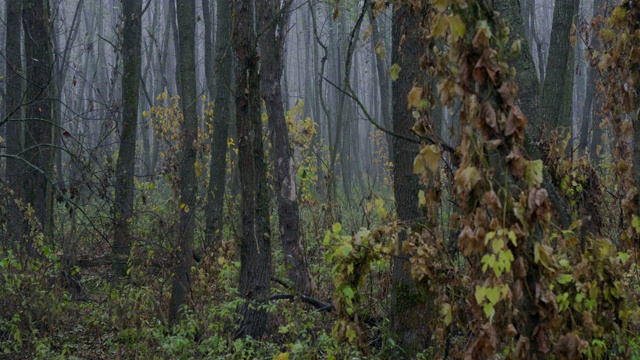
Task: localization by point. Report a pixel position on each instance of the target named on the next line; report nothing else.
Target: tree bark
(410, 311)
(181, 283)
(555, 102)
(255, 241)
(13, 107)
(273, 24)
(221, 119)
(38, 123)
(125, 166)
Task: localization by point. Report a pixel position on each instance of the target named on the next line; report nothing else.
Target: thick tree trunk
(125, 166)
(272, 53)
(221, 120)
(410, 311)
(13, 109)
(38, 130)
(181, 283)
(255, 242)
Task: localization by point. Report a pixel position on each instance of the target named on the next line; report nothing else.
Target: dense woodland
(319, 179)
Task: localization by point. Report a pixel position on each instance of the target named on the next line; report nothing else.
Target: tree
(125, 166)
(38, 150)
(274, 20)
(255, 241)
(14, 135)
(410, 310)
(188, 98)
(222, 118)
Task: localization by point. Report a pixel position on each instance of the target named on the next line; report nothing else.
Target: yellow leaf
(440, 5)
(458, 28)
(428, 158)
(380, 49)
(414, 97)
(282, 356)
(395, 71)
(439, 25)
(446, 313)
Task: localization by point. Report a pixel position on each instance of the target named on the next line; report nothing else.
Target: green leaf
(480, 294)
(565, 279)
(348, 292)
(336, 228)
(445, 311)
(533, 173)
(493, 295)
(458, 28)
(489, 310)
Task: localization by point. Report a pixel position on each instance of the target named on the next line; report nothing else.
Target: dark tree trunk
(272, 53)
(255, 241)
(410, 311)
(14, 136)
(38, 123)
(221, 120)
(188, 99)
(125, 166)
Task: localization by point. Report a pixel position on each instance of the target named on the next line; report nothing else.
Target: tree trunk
(255, 241)
(38, 130)
(410, 310)
(272, 51)
(555, 103)
(221, 120)
(125, 166)
(13, 108)
(186, 34)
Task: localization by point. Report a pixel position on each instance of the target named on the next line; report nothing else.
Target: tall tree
(255, 241)
(221, 119)
(14, 134)
(273, 23)
(38, 122)
(409, 308)
(125, 166)
(187, 63)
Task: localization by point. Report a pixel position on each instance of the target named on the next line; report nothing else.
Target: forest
(319, 179)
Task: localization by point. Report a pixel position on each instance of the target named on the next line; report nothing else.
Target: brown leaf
(486, 344)
(481, 38)
(491, 199)
(519, 267)
(571, 346)
(516, 122)
(506, 91)
(542, 339)
(517, 164)
(522, 348)
(487, 121)
(466, 240)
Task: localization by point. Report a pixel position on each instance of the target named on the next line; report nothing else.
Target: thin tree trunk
(185, 13)
(272, 53)
(125, 166)
(221, 120)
